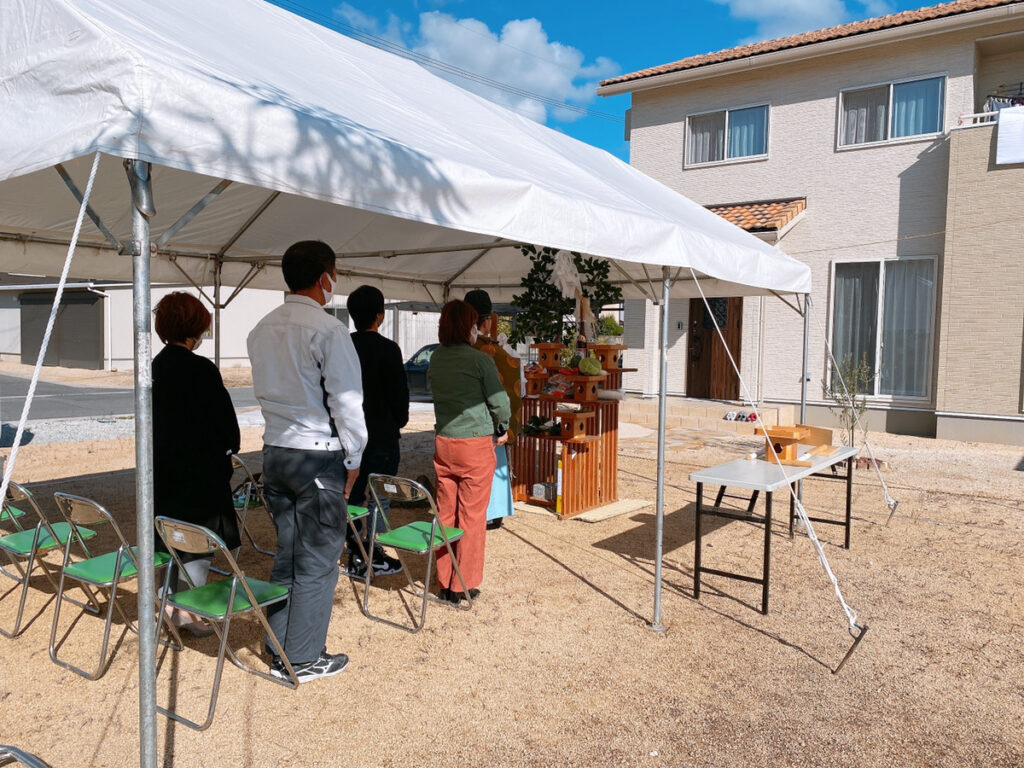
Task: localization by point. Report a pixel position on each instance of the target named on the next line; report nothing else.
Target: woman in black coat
(194, 434)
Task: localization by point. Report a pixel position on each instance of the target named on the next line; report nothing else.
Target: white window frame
(888, 114)
(875, 397)
(728, 160)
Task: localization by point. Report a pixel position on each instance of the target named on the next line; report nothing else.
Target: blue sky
(561, 50)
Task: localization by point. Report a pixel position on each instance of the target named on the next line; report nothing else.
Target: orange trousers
(465, 469)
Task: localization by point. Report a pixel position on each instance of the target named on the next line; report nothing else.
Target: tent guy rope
(857, 631)
(49, 329)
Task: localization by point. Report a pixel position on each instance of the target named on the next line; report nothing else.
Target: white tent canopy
(320, 136)
(261, 128)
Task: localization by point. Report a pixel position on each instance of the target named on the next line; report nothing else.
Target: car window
(423, 356)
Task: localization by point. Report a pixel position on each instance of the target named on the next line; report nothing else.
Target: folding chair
(355, 513)
(418, 537)
(101, 572)
(10, 513)
(248, 494)
(14, 756)
(30, 545)
(219, 602)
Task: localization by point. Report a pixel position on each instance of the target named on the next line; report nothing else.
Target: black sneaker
(328, 665)
(382, 565)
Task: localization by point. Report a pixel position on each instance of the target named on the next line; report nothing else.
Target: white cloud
(392, 30)
(779, 18)
(520, 54)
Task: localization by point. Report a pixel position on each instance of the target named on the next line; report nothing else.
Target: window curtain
(864, 115)
(747, 132)
(907, 327)
(855, 325)
(917, 107)
(707, 138)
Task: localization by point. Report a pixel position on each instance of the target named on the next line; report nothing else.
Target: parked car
(416, 369)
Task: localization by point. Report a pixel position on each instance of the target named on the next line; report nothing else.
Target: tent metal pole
(803, 379)
(216, 312)
(666, 286)
(803, 374)
(142, 209)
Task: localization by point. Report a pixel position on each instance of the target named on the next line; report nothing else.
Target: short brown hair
(457, 320)
(180, 316)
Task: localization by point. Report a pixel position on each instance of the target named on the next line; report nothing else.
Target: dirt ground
(557, 663)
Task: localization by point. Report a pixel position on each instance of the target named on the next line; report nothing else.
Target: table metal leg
(850, 462)
(720, 496)
(767, 551)
(696, 541)
(792, 511)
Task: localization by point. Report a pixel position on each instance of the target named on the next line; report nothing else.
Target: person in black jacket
(194, 434)
(386, 409)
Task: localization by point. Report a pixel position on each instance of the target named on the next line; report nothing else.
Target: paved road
(62, 401)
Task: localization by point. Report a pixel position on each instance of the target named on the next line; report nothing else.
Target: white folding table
(758, 475)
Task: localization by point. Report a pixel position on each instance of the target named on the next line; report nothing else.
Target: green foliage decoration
(544, 310)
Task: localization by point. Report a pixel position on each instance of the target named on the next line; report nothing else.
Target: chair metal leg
(108, 620)
(17, 630)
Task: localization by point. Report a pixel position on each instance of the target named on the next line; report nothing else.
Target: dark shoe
(328, 665)
(495, 523)
(382, 565)
(458, 597)
(445, 595)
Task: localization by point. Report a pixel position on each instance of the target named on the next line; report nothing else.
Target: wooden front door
(709, 374)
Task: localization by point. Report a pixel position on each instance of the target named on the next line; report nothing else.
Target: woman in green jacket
(472, 413)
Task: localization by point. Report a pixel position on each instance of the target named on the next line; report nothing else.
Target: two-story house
(857, 149)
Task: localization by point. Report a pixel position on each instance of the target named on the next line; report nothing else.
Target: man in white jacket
(306, 376)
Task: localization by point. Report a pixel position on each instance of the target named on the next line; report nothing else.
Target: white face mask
(198, 342)
(333, 284)
(474, 333)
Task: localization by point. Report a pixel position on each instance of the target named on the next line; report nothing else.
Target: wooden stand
(785, 442)
(583, 460)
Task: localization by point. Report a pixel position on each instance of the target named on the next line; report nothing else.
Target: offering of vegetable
(590, 366)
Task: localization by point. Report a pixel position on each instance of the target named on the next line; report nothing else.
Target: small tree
(609, 326)
(849, 408)
(544, 309)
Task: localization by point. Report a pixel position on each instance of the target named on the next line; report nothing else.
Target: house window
(730, 134)
(891, 111)
(339, 312)
(883, 315)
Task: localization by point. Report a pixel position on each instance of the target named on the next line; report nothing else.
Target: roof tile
(761, 216)
(819, 36)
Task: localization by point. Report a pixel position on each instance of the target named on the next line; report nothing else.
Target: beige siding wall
(980, 356)
(869, 203)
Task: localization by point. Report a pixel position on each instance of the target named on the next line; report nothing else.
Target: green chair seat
(9, 512)
(212, 599)
(20, 543)
(100, 570)
(355, 512)
(415, 536)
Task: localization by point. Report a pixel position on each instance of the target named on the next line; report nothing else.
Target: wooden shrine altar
(577, 469)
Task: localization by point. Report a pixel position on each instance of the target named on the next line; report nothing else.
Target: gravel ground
(557, 665)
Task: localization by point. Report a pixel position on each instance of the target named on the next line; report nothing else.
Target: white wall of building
(10, 327)
(867, 203)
